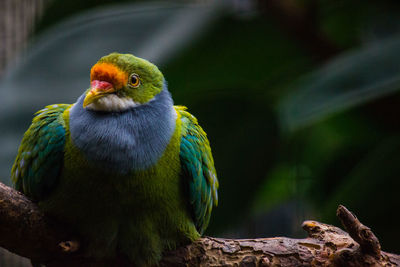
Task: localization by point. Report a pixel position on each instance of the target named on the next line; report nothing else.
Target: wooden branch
(26, 231)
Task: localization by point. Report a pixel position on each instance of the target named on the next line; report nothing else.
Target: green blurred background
(300, 101)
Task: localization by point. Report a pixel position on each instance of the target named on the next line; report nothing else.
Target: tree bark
(26, 231)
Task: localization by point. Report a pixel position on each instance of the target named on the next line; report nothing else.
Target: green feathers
(198, 169)
(37, 167)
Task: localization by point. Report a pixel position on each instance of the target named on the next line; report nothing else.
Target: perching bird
(129, 171)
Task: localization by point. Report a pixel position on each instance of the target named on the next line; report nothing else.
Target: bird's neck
(124, 141)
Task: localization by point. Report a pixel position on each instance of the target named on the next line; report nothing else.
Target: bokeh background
(300, 98)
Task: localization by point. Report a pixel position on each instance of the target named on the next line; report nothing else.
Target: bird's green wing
(197, 169)
(40, 156)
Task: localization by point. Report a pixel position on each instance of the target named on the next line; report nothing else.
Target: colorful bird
(129, 171)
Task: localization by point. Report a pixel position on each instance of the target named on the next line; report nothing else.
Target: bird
(132, 173)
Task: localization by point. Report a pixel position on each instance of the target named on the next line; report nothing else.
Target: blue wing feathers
(40, 156)
(197, 169)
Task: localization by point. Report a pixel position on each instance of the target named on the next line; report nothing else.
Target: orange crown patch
(109, 73)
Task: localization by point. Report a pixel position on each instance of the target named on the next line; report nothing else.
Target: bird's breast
(124, 141)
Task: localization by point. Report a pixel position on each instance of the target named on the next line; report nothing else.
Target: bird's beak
(97, 90)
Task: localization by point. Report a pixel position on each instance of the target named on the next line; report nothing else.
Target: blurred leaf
(351, 79)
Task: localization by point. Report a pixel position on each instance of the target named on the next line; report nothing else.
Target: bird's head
(122, 81)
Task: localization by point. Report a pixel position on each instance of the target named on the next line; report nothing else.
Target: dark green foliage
(58, 10)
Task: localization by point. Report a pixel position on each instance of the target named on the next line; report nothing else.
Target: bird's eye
(134, 80)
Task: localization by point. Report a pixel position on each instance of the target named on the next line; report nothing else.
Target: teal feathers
(198, 169)
(38, 164)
